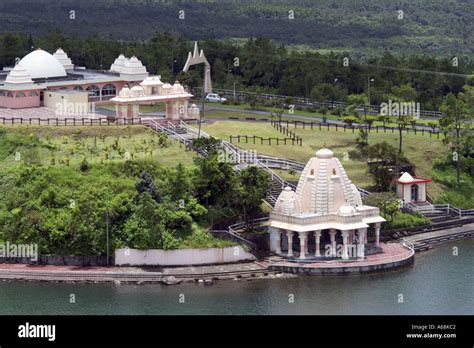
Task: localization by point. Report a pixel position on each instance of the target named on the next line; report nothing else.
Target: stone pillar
(289, 235)
(303, 237)
(377, 234)
(117, 111)
(135, 110)
(361, 245)
(345, 235)
(317, 237)
(332, 234)
(278, 241)
(124, 109)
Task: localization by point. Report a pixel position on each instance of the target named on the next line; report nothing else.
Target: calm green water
(438, 283)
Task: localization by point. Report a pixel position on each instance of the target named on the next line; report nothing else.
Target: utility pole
(369, 80)
(234, 90)
(107, 229)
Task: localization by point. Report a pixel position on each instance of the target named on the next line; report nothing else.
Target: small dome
(118, 63)
(152, 81)
(406, 178)
(18, 75)
(41, 64)
(346, 210)
(177, 88)
(324, 153)
(137, 91)
(133, 66)
(125, 92)
(287, 202)
(63, 58)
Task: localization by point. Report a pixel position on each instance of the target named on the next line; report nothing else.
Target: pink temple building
(24, 85)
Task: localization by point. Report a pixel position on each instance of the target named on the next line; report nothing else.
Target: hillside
(366, 27)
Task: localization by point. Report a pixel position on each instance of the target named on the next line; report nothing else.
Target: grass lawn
(420, 150)
(245, 107)
(69, 146)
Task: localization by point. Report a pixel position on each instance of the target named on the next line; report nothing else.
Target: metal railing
(375, 109)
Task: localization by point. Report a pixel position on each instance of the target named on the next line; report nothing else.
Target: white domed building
(40, 78)
(151, 91)
(325, 217)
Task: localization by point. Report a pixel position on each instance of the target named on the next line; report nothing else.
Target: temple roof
(41, 64)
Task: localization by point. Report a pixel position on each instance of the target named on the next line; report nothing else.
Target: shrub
(84, 167)
(403, 220)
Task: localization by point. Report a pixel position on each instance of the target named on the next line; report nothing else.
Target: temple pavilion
(325, 217)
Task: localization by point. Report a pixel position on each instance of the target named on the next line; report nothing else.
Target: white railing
(160, 128)
(433, 208)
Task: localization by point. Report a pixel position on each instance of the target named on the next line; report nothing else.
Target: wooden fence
(69, 121)
(344, 128)
(277, 141)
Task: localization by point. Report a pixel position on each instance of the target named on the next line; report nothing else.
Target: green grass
(420, 150)
(243, 107)
(403, 220)
(63, 146)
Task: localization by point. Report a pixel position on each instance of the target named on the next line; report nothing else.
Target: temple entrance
(414, 193)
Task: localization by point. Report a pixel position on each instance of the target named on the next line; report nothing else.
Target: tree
(145, 184)
(350, 120)
(402, 122)
(254, 186)
(387, 202)
(383, 159)
(453, 124)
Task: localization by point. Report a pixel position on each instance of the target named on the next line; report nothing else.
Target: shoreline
(208, 274)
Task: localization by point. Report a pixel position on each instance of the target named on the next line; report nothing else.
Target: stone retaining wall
(181, 257)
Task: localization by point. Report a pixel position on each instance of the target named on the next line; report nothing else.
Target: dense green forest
(264, 65)
(366, 27)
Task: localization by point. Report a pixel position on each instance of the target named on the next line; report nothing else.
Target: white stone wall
(181, 257)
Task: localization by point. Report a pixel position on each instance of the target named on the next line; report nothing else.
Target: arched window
(78, 88)
(93, 90)
(2, 93)
(20, 95)
(109, 90)
(10, 95)
(33, 94)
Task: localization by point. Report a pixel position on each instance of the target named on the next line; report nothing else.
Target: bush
(84, 167)
(403, 220)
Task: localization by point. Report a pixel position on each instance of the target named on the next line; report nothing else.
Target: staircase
(182, 132)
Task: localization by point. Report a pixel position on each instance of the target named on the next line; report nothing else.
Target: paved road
(422, 236)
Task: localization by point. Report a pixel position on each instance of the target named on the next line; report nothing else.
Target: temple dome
(118, 64)
(63, 58)
(137, 91)
(133, 66)
(287, 202)
(324, 153)
(41, 64)
(18, 75)
(125, 92)
(346, 210)
(324, 185)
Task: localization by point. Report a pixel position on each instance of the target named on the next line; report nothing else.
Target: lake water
(438, 283)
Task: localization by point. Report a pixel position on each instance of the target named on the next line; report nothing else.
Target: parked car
(215, 98)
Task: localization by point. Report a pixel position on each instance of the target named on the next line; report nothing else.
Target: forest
(422, 26)
(264, 65)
